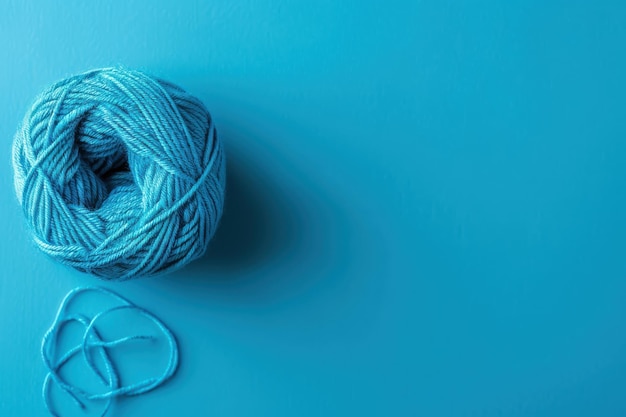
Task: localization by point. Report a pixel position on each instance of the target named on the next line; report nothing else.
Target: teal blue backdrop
(426, 211)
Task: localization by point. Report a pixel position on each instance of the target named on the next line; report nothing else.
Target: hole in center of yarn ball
(102, 158)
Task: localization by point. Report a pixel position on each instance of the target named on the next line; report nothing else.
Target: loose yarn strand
(92, 341)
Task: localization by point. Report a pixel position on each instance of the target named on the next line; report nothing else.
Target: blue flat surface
(426, 211)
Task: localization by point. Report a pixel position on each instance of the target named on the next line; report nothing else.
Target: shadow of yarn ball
(254, 225)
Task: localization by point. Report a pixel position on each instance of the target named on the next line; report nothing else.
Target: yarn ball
(119, 174)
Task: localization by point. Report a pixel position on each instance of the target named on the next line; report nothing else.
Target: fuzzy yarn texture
(119, 174)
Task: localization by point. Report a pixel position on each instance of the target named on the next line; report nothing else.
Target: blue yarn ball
(119, 174)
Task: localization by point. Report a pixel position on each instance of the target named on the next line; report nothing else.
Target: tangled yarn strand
(119, 174)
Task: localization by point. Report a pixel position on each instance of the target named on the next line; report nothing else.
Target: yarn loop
(119, 174)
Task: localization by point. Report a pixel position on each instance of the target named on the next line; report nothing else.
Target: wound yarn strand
(119, 174)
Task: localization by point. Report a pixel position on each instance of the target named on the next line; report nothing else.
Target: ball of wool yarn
(119, 174)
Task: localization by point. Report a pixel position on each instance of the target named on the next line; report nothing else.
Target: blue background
(425, 214)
